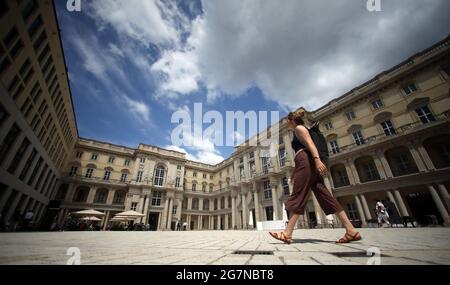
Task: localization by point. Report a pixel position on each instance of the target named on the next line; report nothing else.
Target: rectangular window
(282, 157)
(9, 141)
(252, 169)
(107, 175)
(79, 154)
(328, 125)
(334, 146)
(134, 206)
(94, 156)
(29, 9)
(177, 182)
(358, 137)
(11, 37)
(241, 172)
(179, 167)
(265, 164)
(35, 170)
(241, 160)
(127, 162)
(409, 89)
(285, 186)
(73, 171)
(251, 155)
(28, 164)
(193, 187)
(156, 198)
(89, 172)
(142, 159)
(267, 190)
(174, 210)
(111, 159)
(388, 128)
(19, 155)
(350, 115)
(425, 115)
(204, 176)
(194, 174)
(377, 104)
(123, 178)
(139, 176)
(37, 23)
(204, 188)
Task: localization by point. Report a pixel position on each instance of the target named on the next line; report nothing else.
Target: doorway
(423, 209)
(153, 221)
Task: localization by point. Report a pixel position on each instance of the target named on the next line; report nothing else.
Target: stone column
(145, 211)
(349, 171)
(445, 195)
(105, 222)
(437, 200)
(226, 221)
(385, 164)
(188, 222)
(426, 158)
(169, 220)
(360, 211)
(257, 206)
(401, 204)
(416, 157)
(218, 222)
(233, 212)
(392, 199)
(354, 171)
(365, 207)
(179, 206)
(379, 166)
(275, 201)
(199, 222)
(91, 195)
(164, 214)
(244, 209)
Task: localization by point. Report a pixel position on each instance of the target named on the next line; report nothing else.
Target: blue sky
(133, 63)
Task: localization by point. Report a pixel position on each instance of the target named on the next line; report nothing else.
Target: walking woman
(307, 176)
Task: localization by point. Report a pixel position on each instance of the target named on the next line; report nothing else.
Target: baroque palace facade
(388, 139)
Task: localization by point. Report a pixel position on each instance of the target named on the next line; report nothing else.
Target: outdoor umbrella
(94, 219)
(130, 214)
(89, 213)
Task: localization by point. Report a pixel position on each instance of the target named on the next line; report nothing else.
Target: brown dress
(307, 178)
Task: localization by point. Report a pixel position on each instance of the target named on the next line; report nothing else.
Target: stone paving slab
(311, 247)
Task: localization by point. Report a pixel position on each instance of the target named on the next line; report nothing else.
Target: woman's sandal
(349, 238)
(282, 237)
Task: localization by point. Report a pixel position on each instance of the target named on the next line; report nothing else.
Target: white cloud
(179, 72)
(208, 157)
(137, 108)
(137, 19)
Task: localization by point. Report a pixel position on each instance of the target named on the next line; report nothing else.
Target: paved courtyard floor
(310, 247)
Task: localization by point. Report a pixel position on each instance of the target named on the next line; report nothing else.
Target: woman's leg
(349, 228)
(291, 225)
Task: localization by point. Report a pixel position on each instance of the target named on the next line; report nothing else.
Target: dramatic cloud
(307, 52)
(137, 108)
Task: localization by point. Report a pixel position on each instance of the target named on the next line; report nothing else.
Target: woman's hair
(297, 116)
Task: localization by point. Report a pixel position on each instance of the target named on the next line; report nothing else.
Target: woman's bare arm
(303, 135)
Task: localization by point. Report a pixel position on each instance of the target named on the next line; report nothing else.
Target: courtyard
(422, 246)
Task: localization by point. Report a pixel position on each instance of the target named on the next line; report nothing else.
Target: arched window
(195, 204)
(159, 176)
(205, 205)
